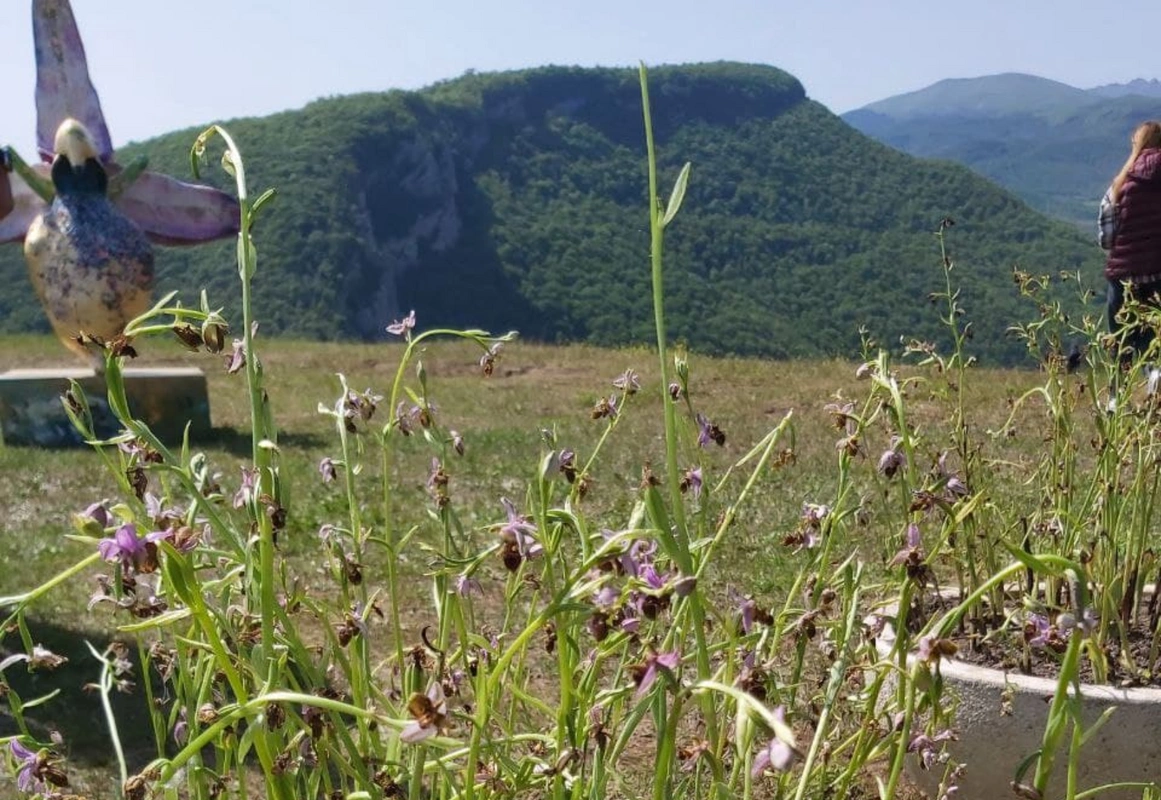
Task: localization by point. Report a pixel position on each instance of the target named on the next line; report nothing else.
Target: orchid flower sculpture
(87, 223)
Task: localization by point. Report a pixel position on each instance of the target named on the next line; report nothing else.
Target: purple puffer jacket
(1136, 252)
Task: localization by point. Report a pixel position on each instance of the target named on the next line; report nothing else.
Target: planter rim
(999, 678)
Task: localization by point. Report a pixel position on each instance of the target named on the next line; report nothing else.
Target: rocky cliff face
(406, 209)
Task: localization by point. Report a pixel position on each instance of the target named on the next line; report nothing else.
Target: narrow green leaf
(262, 200)
(676, 196)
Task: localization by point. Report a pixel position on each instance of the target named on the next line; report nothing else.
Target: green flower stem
(838, 674)
(21, 601)
(1057, 714)
(681, 532)
(904, 735)
(229, 715)
(105, 686)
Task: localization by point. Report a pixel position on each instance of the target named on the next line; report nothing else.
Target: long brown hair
(1147, 135)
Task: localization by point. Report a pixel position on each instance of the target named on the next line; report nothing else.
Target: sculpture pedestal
(165, 398)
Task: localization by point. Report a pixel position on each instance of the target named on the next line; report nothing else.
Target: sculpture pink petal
(176, 213)
(63, 87)
(26, 205)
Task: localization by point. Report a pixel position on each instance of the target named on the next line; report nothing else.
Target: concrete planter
(993, 744)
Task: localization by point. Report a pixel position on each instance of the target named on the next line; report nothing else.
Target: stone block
(165, 398)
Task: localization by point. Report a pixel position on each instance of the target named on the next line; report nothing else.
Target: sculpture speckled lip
(87, 223)
(91, 266)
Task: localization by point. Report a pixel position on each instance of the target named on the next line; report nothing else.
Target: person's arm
(1107, 220)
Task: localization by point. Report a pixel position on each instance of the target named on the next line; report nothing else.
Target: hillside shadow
(75, 712)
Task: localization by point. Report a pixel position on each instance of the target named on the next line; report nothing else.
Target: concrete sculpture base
(165, 398)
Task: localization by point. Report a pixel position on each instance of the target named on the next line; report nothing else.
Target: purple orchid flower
(1038, 630)
(912, 552)
(428, 714)
(628, 382)
(27, 763)
(779, 753)
(927, 747)
(638, 556)
(98, 513)
(652, 578)
(464, 585)
(654, 662)
(892, 459)
(606, 597)
(519, 530)
(129, 548)
(248, 487)
(168, 211)
(403, 327)
(776, 755)
(692, 481)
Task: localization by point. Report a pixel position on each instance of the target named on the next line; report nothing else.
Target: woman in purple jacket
(1130, 233)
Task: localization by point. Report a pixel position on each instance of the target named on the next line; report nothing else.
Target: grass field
(534, 387)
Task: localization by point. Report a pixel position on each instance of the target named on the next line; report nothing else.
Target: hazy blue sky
(160, 64)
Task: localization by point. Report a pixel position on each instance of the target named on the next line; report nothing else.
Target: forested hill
(518, 200)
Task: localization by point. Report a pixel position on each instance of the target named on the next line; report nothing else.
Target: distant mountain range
(1055, 145)
(519, 200)
(1140, 86)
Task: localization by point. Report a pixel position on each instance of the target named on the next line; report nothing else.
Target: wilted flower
(489, 358)
(911, 555)
(892, 459)
(326, 468)
(429, 713)
(237, 358)
(181, 728)
(749, 612)
(675, 391)
(457, 442)
(605, 407)
(40, 658)
(403, 327)
(843, 416)
(627, 382)
(708, 432)
(437, 483)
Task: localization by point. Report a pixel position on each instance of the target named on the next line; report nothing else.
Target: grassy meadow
(534, 387)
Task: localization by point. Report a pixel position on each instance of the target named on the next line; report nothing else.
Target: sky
(161, 64)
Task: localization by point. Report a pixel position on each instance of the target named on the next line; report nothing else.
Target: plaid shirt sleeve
(1107, 221)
